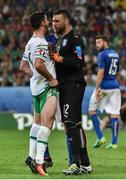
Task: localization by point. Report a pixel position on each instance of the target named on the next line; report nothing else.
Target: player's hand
(53, 83)
(30, 74)
(56, 57)
(98, 94)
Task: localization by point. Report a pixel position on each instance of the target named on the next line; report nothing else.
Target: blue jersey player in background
(106, 95)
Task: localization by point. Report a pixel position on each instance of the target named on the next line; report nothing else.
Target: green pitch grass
(109, 164)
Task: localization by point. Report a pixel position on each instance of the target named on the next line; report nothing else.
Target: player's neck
(39, 33)
(67, 30)
(106, 46)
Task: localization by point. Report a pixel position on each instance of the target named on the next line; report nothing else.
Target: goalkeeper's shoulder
(76, 39)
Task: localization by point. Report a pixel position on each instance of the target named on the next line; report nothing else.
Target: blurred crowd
(89, 18)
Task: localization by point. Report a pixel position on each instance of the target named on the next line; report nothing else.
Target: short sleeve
(24, 57)
(42, 52)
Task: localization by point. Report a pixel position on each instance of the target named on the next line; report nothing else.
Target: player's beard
(101, 48)
(46, 28)
(59, 31)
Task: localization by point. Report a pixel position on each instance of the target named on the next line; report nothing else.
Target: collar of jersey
(34, 36)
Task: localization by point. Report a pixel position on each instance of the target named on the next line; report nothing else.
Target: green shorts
(40, 100)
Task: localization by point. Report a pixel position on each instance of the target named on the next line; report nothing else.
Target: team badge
(79, 52)
(64, 42)
(42, 51)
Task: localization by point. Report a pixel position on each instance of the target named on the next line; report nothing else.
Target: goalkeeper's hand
(53, 54)
(56, 57)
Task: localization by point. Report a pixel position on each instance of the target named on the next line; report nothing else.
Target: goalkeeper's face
(59, 24)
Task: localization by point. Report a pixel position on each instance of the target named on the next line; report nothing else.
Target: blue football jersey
(51, 39)
(109, 60)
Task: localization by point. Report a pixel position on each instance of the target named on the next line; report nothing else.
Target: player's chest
(63, 46)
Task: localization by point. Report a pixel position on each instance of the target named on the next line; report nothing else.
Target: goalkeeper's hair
(36, 18)
(104, 37)
(64, 12)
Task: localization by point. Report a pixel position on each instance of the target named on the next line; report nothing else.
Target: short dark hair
(64, 12)
(104, 37)
(36, 18)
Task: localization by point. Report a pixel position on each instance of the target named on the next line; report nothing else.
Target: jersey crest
(64, 42)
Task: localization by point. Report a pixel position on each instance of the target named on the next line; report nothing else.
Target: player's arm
(25, 67)
(41, 68)
(117, 73)
(100, 75)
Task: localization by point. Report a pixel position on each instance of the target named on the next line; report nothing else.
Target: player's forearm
(24, 67)
(117, 75)
(40, 67)
(28, 72)
(99, 78)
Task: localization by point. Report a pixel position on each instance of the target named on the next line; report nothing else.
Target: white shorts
(110, 102)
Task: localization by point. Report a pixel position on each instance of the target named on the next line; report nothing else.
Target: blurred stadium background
(89, 18)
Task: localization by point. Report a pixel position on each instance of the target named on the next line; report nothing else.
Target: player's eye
(56, 21)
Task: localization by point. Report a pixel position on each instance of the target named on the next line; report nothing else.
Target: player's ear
(105, 44)
(66, 21)
(43, 23)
